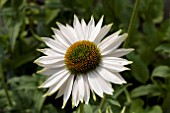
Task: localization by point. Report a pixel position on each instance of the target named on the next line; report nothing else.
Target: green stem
(5, 85)
(81, 108)
(127, 95)
(32, 31)
(132, 21)
(102, 102)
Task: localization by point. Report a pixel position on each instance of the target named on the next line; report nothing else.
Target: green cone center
(82, 57)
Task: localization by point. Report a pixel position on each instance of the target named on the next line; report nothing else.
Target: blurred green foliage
(23, 22)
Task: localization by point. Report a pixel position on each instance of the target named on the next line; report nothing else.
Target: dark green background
(23, 22)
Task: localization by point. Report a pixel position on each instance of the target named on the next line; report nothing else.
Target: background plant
(23, 22)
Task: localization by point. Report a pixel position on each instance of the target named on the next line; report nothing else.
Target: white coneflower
(78, 60)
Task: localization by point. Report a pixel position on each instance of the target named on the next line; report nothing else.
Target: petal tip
(45, 95)
(40, 50)
(64, 104)
(35, 61)
(110, 25)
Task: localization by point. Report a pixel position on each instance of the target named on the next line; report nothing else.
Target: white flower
(79, 61)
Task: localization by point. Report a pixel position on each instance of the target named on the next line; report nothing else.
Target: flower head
(79, 60)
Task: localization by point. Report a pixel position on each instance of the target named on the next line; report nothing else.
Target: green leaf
(139, 69)
(39, 101)
(14, 32)
(1, 72)
(50, 15)
(119, 91)
(152, 10)
(49, 108)
(23, 59)
(150, 89)
(137, 106)
(165, 48)
(156, 109)
(113, 102)
(161, 71)
(2, 2)
(166, 103)
(22, 79)
(88, 108)
(123, 110)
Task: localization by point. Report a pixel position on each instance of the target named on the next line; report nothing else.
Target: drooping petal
(94, 83)
(68, 89)
(56, 86)
(81, 88)
(87, 89)
(61, 91)
(104, 85)
(75, 99)
(110, 76)
(54, 79)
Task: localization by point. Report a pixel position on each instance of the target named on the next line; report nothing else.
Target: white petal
(71, 29)
(68, 89)
(78, 28)
(115, 61)
(59, 36)
(96, 30)
(113, 44)
(110, 76)
(49, 59)
(105, 85)
(61, 91)
(67, 33)
(87, 89)
(84, 29)
(94, 83)
(52, 44)
(75, 94)
(59, 43)
(81, 88)
(55, 79)
(59, 83)
(114, 68)
(109, 39)
(50, 52)
(119, 52)
(49, 71)
(90, 28)
(104, 30)
(59, 63)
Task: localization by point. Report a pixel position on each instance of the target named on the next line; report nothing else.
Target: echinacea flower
(79, 60)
